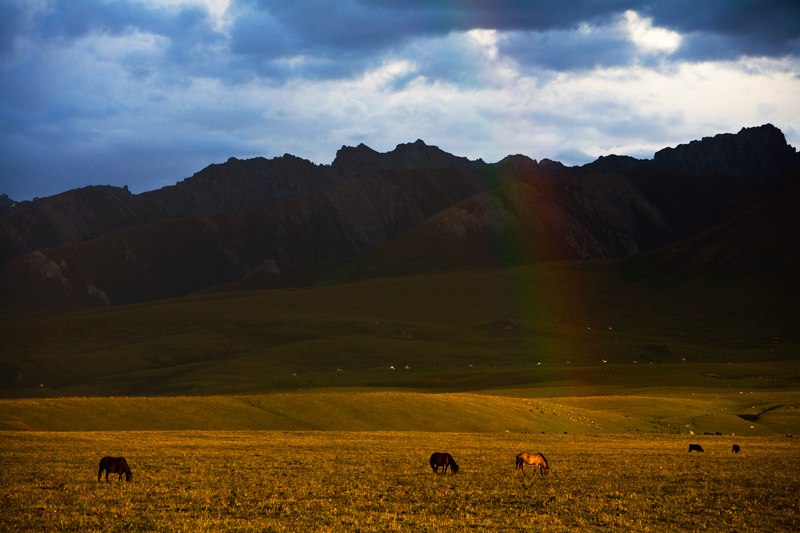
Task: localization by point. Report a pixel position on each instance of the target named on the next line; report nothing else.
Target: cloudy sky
(145, 93)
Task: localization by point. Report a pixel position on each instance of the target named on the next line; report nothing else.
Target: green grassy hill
(583, 325)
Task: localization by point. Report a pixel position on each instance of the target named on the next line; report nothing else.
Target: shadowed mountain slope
(171, 258)
(287, 222)
(764, 240)
(72, 216)
(236, 185)
(522, 222)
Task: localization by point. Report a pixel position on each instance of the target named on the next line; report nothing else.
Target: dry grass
(380, 481)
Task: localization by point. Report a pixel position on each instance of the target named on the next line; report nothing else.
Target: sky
(145, 93)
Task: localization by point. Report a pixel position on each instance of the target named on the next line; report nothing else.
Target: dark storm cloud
(353, 29)
(731, 28)
(567, 50)
(339, 38)
(329, 27)
(187, 30)
(280, 39)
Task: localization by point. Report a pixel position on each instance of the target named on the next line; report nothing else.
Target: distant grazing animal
(735, 448)
(445, 460)
(535, 459)
(695, 448)
(114, 465)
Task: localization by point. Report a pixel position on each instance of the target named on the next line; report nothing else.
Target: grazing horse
(445, 460)
(114, 465)
(735, 448)
(535, 459)
(695, 448)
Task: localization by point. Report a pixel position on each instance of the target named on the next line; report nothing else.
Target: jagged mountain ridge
(91, 212)
(302, 214)
(699, 185)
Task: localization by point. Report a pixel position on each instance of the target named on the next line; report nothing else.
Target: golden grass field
(380, 481)
(316, 409)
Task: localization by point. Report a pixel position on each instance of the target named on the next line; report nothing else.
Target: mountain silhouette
(260, 223)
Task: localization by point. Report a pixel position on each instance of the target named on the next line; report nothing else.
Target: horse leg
(99, 473)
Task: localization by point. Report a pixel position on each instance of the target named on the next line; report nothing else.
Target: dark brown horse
(445, 460)
(114, 465)
(535, 459)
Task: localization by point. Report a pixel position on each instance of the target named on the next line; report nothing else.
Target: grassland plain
(380, 481)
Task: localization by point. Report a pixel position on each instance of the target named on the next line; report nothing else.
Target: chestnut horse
(445, 460)
(535, 459)
(114, 465)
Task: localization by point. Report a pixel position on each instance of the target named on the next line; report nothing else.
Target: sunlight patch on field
(358, 410)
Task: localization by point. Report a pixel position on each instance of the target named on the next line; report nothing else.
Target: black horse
(114, 465)
(445, 460)
(695, 448)
(735, 448)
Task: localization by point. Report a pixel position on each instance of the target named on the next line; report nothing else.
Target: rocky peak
(517, 163)
(8, 206)
(363, 160)
(616, 164)
(753, 152)
(239, 184)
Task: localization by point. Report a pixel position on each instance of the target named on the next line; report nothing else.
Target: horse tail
(103, 466)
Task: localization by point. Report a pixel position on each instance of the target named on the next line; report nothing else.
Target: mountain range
(726, 202)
